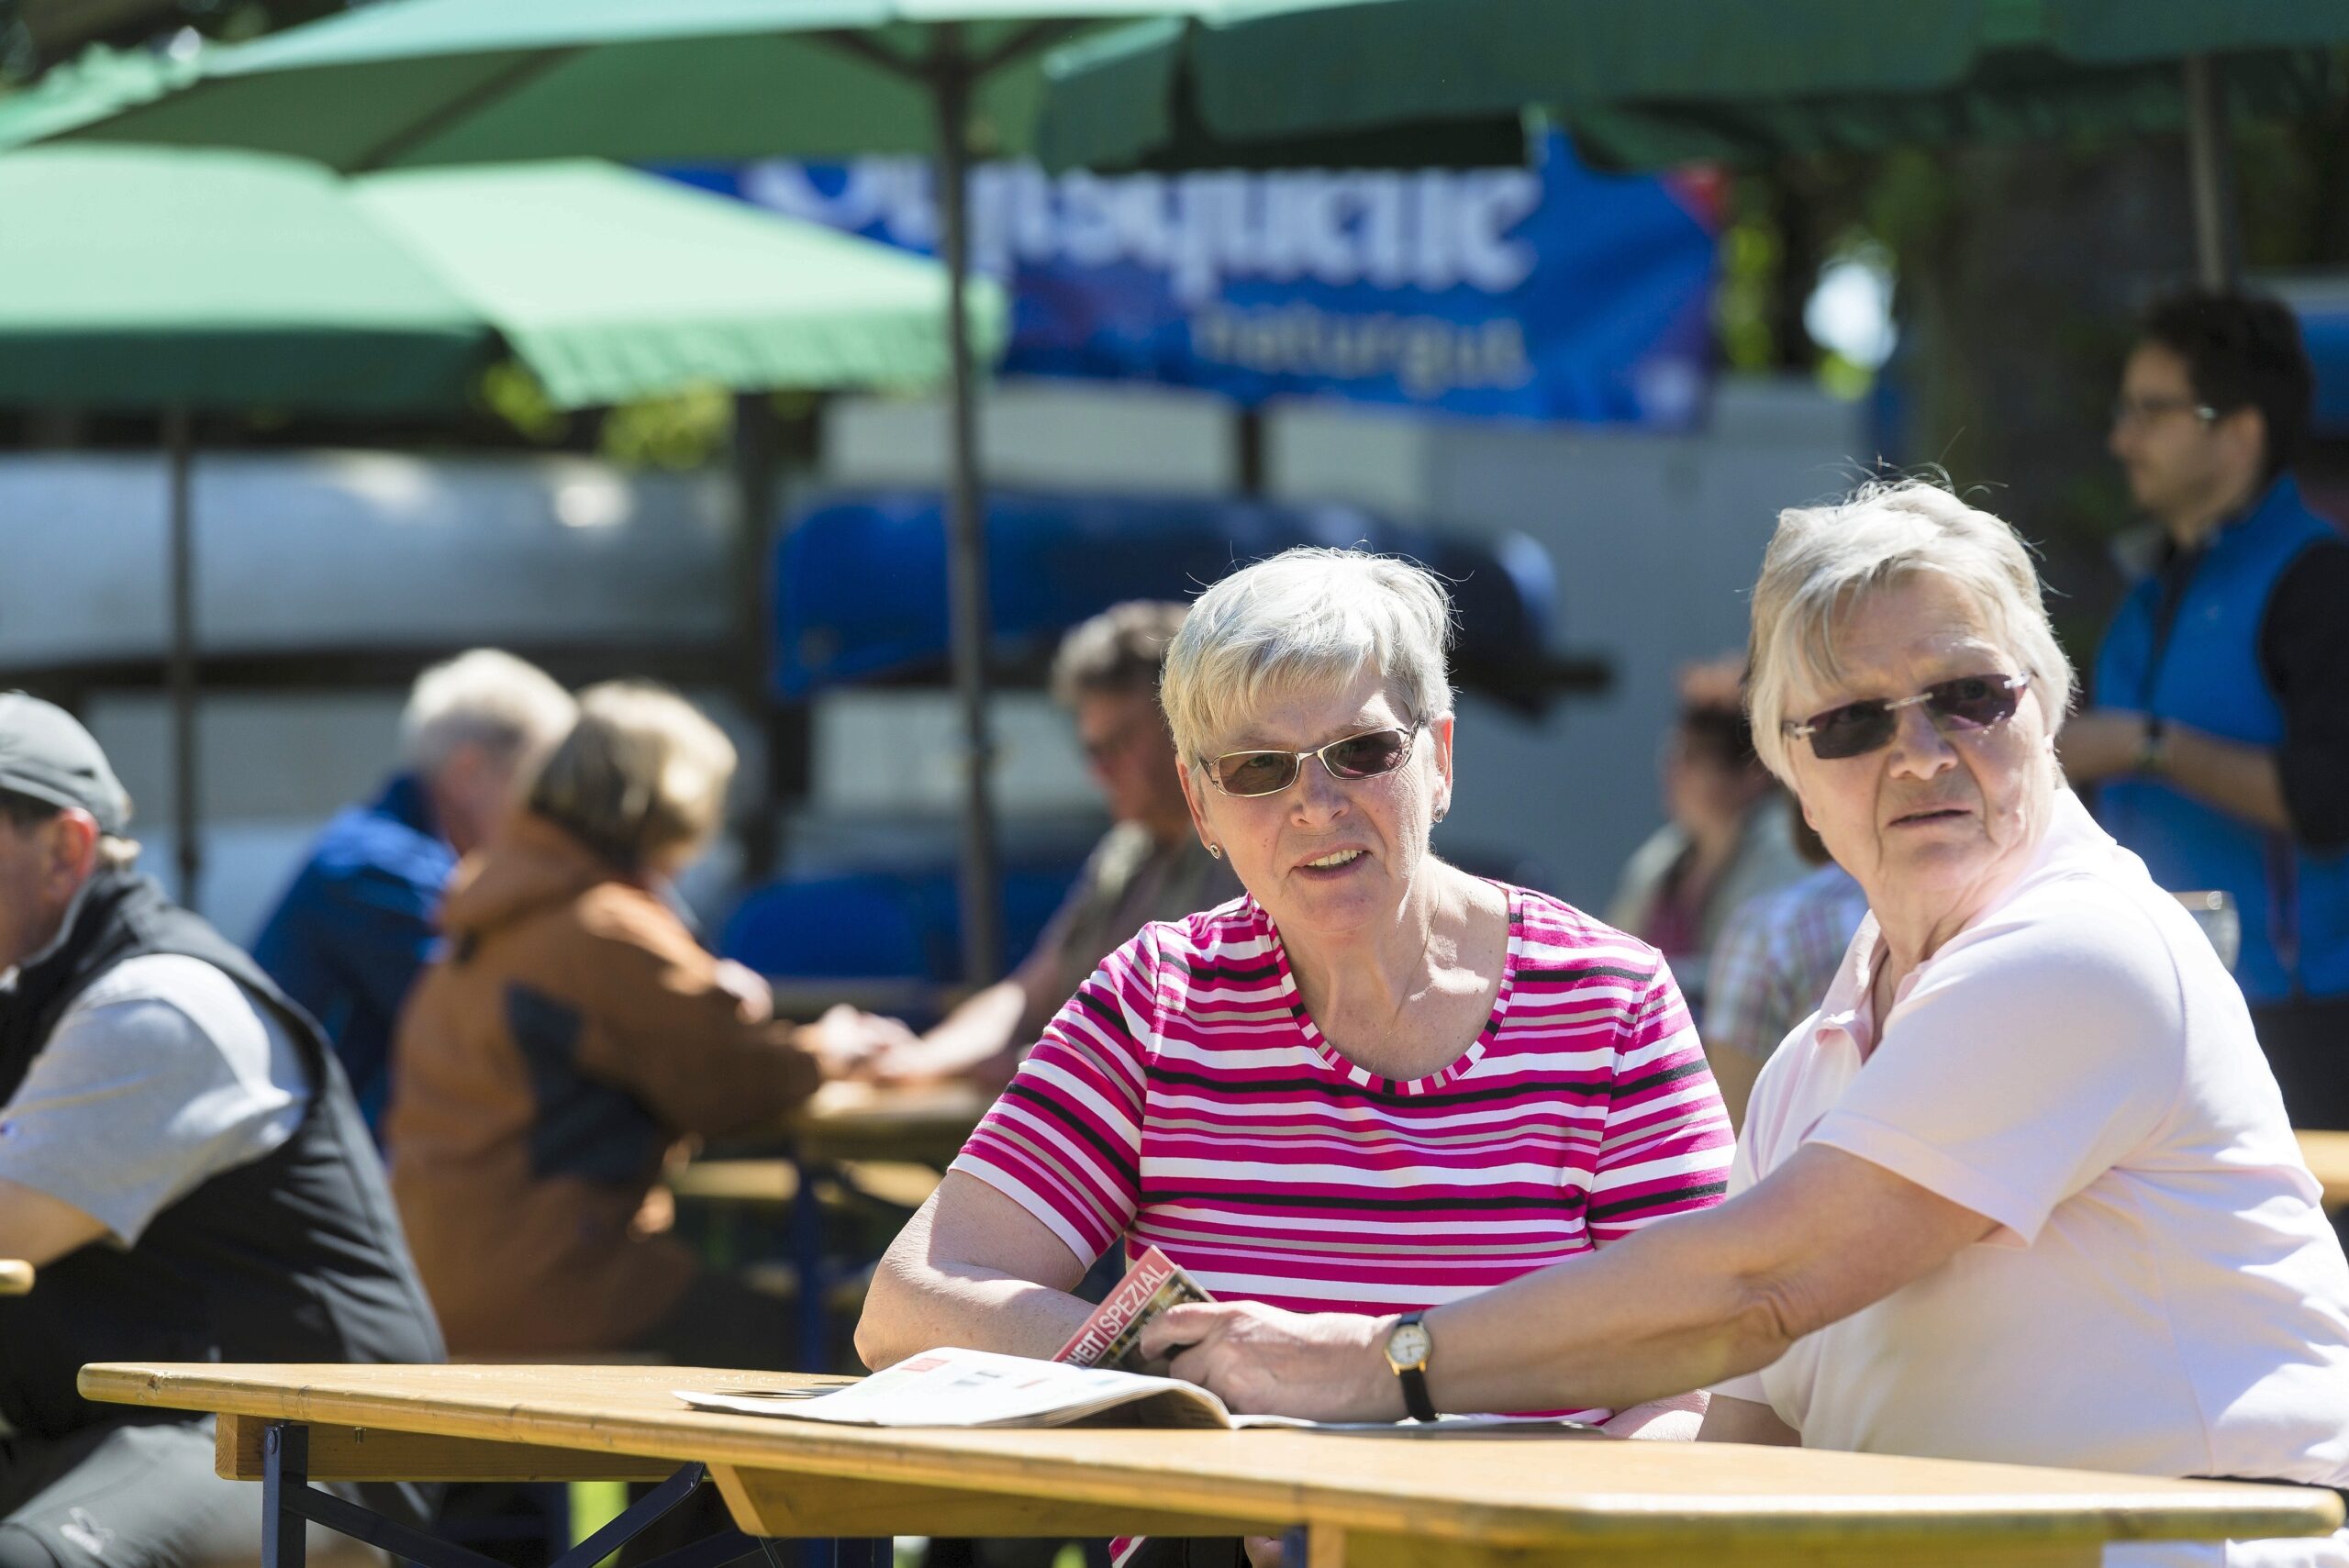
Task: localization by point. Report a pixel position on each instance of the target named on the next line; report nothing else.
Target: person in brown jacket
(572, 1033)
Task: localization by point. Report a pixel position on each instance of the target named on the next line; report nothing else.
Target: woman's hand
(1324, 1366)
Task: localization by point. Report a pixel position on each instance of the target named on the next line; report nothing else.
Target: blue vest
(2295, 906)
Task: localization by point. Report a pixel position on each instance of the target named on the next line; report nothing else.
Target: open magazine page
(951, 1388)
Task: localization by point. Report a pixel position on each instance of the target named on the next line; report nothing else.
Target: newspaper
(1099, 1377)
(1112, 1336)
(953, 1388)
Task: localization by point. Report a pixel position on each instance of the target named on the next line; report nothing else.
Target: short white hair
(1307, 620)
(488, 698)
(1822, 560)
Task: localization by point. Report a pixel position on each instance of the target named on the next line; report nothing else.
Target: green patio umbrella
(410, 83)
(1365, 80)
(181, 280)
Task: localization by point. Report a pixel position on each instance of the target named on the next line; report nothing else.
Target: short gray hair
(1306, 619)
(642, 772)
(1824, 559)
(488, 698)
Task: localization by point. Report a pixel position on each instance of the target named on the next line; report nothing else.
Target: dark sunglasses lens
(1255, 772)
(1365, 756)
(1976, 702)
(1849, 731)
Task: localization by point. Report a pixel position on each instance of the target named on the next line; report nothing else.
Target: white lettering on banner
(1432, 229)
(1427, 356)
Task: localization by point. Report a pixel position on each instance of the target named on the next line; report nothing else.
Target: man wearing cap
(182, 1161)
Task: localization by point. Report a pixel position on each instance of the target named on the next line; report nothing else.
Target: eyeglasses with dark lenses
(1362, 756)
(1970, 702)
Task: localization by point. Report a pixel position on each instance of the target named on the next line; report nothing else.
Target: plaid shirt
(1774, 959)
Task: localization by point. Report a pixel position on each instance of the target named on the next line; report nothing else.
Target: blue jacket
(349, 935)
(2294, 904)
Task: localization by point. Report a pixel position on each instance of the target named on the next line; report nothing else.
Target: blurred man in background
(1149, 866)
(182, 1162)
(2219, 735)
(350, 934)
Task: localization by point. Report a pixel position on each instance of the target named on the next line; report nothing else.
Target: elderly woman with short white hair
(2022, 1189)
(1374, 1081)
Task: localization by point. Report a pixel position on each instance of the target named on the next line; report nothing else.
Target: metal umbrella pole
(179, 444)
(2210, 185)
(971, 626)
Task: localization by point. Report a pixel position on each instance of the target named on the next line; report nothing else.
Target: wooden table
(922, 1123)
(846, 1124)
(773, 1182)
(16, 1276)
(1375, 1502)
(2328, 1156)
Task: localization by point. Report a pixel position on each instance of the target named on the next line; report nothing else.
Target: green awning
(142, 278)
(1362, 80)
(434, 82)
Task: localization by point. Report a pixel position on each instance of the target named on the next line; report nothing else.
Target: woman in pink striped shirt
(1374, 1084)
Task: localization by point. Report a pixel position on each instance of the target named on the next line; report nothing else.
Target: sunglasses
(1362, 756)
(1969, 703)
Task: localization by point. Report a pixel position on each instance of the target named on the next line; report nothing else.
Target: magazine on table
(1085, 1383)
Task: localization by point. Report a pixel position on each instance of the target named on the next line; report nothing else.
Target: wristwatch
(2153, 747)
(1407, 1349)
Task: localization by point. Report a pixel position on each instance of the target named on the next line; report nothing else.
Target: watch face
(1408, 1345)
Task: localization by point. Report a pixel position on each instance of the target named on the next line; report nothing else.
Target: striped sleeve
(1065, 1140)
(1666, 1146)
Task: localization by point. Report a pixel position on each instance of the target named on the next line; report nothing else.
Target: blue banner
(1548, 292)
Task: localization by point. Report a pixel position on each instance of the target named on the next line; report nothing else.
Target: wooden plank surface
(16, 1276)
(2328, 1156)
(925, 1123)
(776, 1182)
(363, 1454)
(1588, 1495)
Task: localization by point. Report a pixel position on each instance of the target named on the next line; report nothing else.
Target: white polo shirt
(2162, 1294)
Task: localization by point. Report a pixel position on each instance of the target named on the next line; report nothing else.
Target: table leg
(807, 1254)
(286, 1474)
(290, 1504)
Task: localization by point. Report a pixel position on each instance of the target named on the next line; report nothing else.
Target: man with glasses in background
(2218, 738)
(1149, 866)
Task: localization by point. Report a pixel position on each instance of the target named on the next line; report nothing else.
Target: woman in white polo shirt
(2022, 1190)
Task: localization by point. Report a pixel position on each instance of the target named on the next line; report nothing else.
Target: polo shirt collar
(2072, 838)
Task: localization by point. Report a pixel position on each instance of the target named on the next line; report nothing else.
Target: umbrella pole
(181, 677)
(2207, 170)
(966, 548)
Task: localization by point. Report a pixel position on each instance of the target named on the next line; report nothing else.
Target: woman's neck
(1376, 971)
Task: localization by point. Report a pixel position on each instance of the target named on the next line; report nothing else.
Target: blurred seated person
(1727, 837)
(1149, 866)
(1771, 966)
(350, 934)
(571, 1035)
(179, 1160)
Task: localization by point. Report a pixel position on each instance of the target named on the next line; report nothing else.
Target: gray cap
(46, 754)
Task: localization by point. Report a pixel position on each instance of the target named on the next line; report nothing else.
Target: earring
(1442, 812)
(1215, 849)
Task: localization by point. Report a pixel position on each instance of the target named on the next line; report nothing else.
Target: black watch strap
(1414, 1378)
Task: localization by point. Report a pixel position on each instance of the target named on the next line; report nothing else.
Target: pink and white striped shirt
(1183, 1098)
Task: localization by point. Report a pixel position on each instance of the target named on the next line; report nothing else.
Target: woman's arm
(1681, 1305)
(973, 1269)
